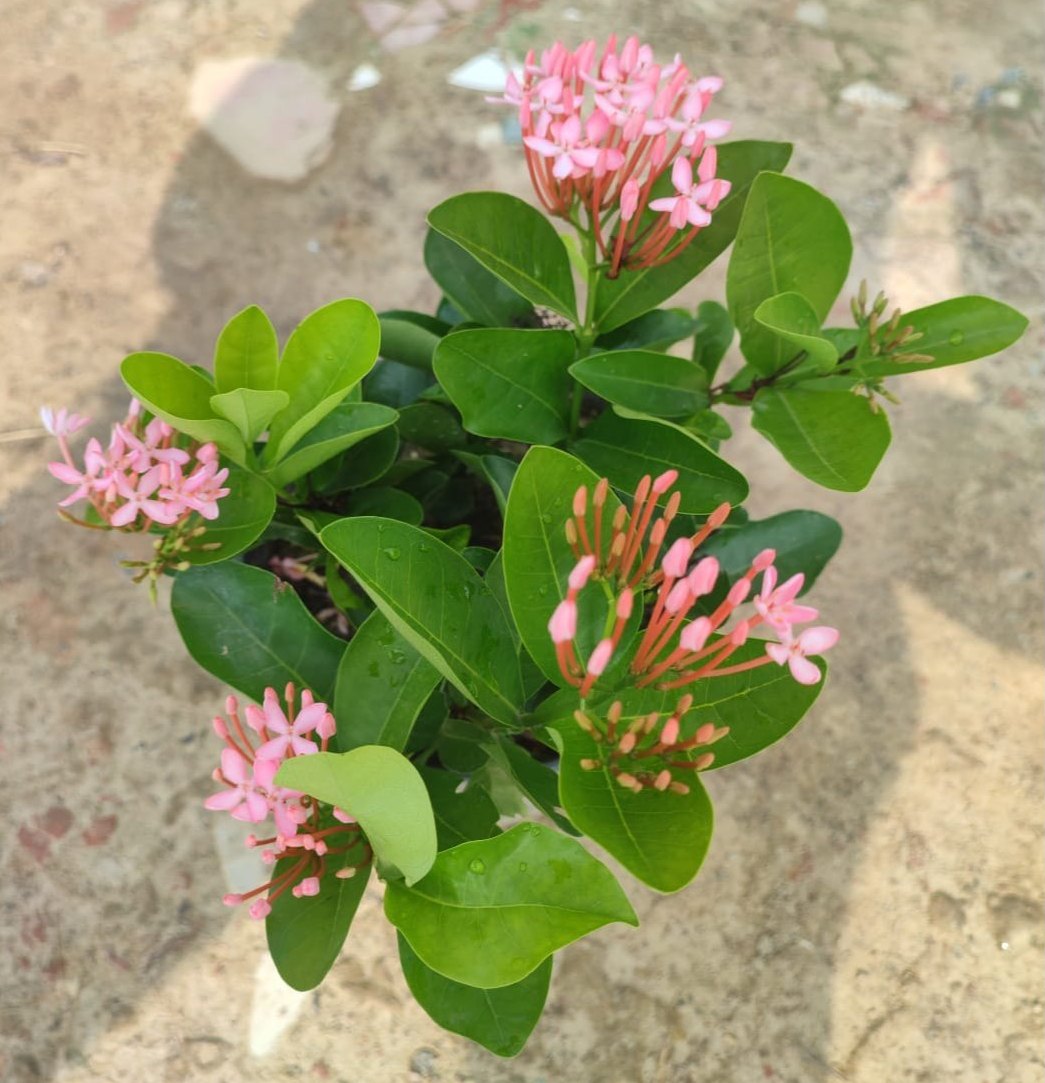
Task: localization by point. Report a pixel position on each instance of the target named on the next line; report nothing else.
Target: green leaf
(954, 331)
(362, 465)
(250, 411)
(382, 684)
(247, 353)
(250, 630)
(342, 428)
(181, 396)
(804, 542)
(436, 600)
(626, 448)
(509, 385)
(662, 838)
(491, 912)
(791, 238)
(328, 353)
(536, 556)
(460, 815)
(650, 383)
(382, 790)
(243, 516)
(834, 438)
(514, 241)
(790, 317)
(500, 1020)
(387, 502)
(431, 426)
(393, 384)
(494, 469)
(478, 294)
(656, 330)
(305, 934)
(537, 780)
(407, 342)
(631, 294)
(712, 336)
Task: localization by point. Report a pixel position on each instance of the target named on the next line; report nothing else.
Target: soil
(872, 905)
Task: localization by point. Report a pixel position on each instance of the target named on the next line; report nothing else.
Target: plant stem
(586, 332)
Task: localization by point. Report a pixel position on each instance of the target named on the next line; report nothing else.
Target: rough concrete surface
(871, 909)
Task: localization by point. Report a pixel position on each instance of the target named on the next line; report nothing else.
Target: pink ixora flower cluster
(248, 771)
(142, 477)
(622, 552)
(599, 130)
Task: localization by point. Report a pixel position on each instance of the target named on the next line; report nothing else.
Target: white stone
(486, 72)
(812, 13)
(275, 117)
(869, 95)
(364, 77)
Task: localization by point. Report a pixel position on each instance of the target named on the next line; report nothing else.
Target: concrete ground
(871, 910)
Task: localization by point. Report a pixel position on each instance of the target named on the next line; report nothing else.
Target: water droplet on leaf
(392, 554)
(477, 865)
(956, 338)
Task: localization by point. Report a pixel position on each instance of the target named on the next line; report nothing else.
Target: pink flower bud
(627, 743)
(763, 560)
(327, 727)
(600, 657)
(309, 886)
(738, 637)
(670, 733)
(702, 579)
(346, 873)
(232, 899)
(738, 591)
(580, 502)
(260, 909)
(695, 634)
(663, 780)
(678, 597)
(665, 481)
(624, 604)
(563, 624)
(582, 573)
(718, 516)
(677, 557)
(629, 199)
(705, 734)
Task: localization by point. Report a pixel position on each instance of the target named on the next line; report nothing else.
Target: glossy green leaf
(790, 317)
(491, 912)
(436, 600)
(381, 789)
(656, 330)
(712, 336)
(382, 684)
(181, 396)
(954, 331)
(431, 426)
(243, 516)
(834, 438)
(394, 384)
(327, 354)
(624, 449)
(249, 410)
(500, 1020)
(407, 342)
(461, 815)
(478, 294)
(305, 934)
(494, 469)
(361, 465)
(387, 502)
(662, 838)
(647, 382)
(791, 238)
(247, 353)
(510, 385)
(251, 630)
(538, 782)
(344, 427)
(514, 241)
(632, 293)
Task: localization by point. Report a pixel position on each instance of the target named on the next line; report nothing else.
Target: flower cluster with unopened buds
(600, 129)
(256, 744)
(675, 649)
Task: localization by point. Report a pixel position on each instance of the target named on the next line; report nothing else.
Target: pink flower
(792, 652)
(686, 206)
(776, 604)
(62, 423)
(241, 798)
(289, 735)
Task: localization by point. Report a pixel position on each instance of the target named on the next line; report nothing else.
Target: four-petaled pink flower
(289, 735)
(691, 203)
(792, 652)
(776, 604)
(241, 797)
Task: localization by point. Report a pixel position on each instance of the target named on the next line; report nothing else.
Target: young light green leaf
(247, 353)
(181, 396)
(954, 331)
(632, 293)
(491, 912)
(478, 294)
(791, 238)
(249, 410)
(647, 382)
(712, 336)
(500, 1020)
(305, 934)
(382, 684)
(834, 438)
(328, 353)
(243, 516)
(662, 838)
(436, 600)
(514, 241)
(625, 448)
(381, 789)
(250, 630)
(790, 317)
(343, 427)
(509, 385)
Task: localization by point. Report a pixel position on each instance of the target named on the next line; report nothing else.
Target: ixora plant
(470, 565)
